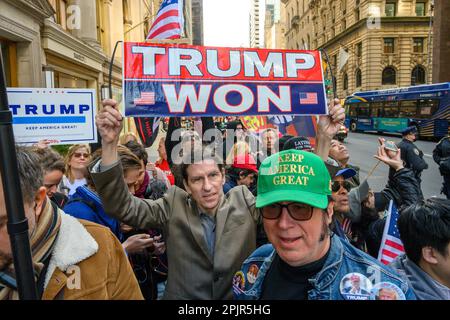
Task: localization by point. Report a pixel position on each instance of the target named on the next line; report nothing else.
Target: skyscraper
(257, 24)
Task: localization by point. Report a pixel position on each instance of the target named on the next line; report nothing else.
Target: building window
(345, 81)
(100, 29)
(389, 76)
(344, 6)
(62, 13)
(359, 50)
(358, 78)
(420, 9)
(391, 9)
(9, 54)
(418, 45)
(389, 45)
(418, 75)
(344, 25)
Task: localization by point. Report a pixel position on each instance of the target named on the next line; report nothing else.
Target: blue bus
(427, 107)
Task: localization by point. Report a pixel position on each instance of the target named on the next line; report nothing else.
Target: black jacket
(412, 156)
(404, 189)
(441, 155)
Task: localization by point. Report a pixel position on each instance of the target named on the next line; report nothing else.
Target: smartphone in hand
(390, 146)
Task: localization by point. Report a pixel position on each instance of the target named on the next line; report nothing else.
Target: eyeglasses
(81, 154)
(297, 211)
(336, 186)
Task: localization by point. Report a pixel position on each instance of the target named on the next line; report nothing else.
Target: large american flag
(308, 98)
(169, 21)
(391, 245)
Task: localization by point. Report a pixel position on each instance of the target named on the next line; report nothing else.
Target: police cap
(411, 129)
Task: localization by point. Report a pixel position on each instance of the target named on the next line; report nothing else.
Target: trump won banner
(182, 80)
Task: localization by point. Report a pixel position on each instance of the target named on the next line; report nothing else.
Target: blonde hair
(239, 148)
(73, 149)
(124, 138)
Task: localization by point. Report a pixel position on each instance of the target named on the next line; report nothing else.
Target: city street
(362, 147)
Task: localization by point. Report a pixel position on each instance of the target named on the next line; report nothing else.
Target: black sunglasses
(297, 211)
(336, 186)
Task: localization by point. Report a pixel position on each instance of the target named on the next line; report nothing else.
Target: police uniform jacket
(441, 155)
(412, 157)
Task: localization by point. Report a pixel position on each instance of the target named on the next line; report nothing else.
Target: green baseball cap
(293, 175)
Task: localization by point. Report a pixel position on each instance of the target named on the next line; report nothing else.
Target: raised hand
(391, 158)
(109, 122)
(45, 143)
(329, 125)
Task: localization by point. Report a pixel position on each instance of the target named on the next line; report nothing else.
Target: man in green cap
(208, 234)
(305, 260)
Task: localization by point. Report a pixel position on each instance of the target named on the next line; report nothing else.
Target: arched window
(418, 75)
(358, 78)
(389, 76)
(345, 77)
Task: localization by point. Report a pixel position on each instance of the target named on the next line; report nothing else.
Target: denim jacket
(334, 282)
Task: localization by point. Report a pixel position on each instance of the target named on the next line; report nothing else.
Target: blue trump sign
(64, 115)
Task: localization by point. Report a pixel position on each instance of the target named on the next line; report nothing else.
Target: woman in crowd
(240, 148)
(162, 162)
(76, 162)
(53, 165)
(127, 137)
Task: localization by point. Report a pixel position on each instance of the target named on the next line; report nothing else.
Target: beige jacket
(88, 263)
(193, 272)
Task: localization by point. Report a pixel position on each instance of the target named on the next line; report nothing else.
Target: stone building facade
(441, 47)
(274, 26)
(69, 43)
(388, 42)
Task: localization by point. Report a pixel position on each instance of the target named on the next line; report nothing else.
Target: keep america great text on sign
(174, 80)
(64, 115)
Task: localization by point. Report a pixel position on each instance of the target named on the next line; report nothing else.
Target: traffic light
(328, 87)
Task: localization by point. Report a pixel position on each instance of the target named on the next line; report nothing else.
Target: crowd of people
(227, 214)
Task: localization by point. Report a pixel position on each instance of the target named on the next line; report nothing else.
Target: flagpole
(111, 64)
(333, 78)
(17, 222)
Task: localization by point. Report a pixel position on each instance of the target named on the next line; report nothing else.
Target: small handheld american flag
(169, 21)
(391, 245)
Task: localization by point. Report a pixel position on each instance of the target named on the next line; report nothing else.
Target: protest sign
(64, 115)
(183, 80)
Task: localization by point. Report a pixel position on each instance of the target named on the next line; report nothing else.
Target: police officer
(441, 155)
(411, 155)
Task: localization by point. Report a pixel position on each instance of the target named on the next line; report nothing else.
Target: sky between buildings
(226, 23)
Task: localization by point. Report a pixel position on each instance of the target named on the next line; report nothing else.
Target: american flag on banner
(391, 245)
(169, 21)
(308, 98)
(147, 98)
